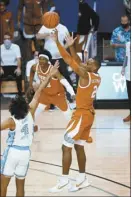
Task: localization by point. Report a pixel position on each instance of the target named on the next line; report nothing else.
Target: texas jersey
(54, 87)
(85, 95)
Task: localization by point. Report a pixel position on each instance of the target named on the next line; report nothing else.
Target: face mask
(125, 25)
(7, 44)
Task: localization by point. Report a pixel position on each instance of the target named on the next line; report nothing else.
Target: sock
(64, 179)
(81, 177)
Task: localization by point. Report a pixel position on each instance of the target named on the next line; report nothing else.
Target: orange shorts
(78, 129)
(58, 100)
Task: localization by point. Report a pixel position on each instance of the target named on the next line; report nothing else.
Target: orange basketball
(50, 19)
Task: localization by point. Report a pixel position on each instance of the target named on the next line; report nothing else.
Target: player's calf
(20, 187)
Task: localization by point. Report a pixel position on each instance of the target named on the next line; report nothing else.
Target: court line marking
(86, 173)
(91, 128)
(74, 180)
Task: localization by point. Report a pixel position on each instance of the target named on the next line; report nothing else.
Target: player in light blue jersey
(15, 160)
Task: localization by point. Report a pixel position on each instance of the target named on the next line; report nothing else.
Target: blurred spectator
(126, 70)
(50, 45)
(120, 36)
(33, 11)
(10, 66)
(86, 29)
(6, 20)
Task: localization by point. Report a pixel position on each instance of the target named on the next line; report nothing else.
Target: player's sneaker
(59, 187)
(79, 185)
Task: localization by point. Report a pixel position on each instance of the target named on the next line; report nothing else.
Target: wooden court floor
(108, 157)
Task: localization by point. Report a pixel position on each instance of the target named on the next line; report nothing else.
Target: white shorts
(15, 162)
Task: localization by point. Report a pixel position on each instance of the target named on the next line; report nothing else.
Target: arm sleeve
(68, 87)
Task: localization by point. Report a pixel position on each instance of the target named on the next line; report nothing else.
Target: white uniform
(15, 160)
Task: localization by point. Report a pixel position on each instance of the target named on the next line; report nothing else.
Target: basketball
(50, 19)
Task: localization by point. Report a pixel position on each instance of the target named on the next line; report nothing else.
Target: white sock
(64, 179)
(81, 177)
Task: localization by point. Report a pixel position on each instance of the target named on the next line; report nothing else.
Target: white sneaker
(77, 186)
(59, 187)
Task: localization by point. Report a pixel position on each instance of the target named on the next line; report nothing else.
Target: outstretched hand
(54, 69)
(70, 40)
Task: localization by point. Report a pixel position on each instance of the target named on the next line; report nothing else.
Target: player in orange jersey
(54, 93)
(78, 129)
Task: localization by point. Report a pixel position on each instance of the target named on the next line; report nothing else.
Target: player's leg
(81, 179)
(21, 171)
(72, 131)
(4, 184)
(20, 185)
(8, 163)
(81, 157)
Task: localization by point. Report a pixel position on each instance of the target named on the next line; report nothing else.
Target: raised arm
(67, 57)
(70, 43)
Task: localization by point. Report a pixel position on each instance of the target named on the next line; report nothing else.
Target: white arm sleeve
(68, 87)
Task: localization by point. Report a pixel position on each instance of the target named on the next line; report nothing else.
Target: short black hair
(19, 107)
(46, 52)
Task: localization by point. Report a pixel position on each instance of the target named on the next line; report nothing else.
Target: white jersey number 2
(94, 92)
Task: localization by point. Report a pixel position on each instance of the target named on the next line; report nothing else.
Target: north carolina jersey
(54, 87)
(85, 95)
(23, 133)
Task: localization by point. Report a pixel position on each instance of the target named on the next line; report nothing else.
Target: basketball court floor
(108, 157)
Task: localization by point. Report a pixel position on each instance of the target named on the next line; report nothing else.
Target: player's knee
(65, 149)
(78, 148)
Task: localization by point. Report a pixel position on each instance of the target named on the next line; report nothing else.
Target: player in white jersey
(15, 160)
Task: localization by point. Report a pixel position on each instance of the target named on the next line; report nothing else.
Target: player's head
(44, 57)
(19, 107)
(92, 65)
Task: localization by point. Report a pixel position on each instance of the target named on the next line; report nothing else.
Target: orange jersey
(85, 95)
(54, 87)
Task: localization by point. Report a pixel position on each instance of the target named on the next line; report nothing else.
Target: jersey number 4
(94, 92)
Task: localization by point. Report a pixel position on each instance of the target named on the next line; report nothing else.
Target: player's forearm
(41, 87)
(68, 87)
(42, 36)
(74, 54)
(67, 58)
